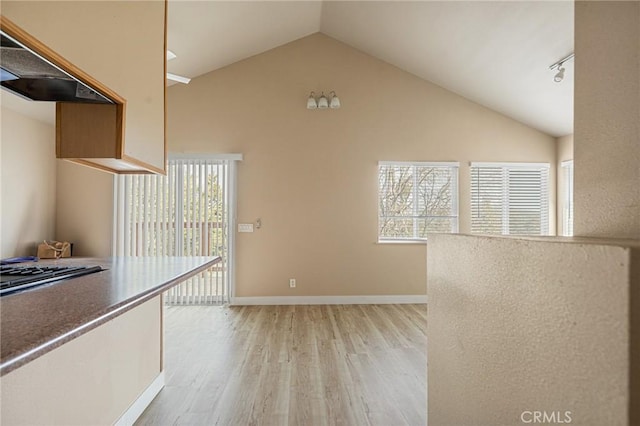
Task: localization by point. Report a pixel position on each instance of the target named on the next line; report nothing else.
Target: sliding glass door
(188, 212)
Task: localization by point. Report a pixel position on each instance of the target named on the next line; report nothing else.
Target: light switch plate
(245, 227)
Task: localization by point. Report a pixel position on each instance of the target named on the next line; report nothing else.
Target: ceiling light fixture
(558, 65)
(175, 77)
(322, 102)
(178, 78)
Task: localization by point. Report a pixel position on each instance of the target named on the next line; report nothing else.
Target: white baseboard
(330, 300)
(139, 405)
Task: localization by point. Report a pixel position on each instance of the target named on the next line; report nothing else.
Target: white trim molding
(507, 164)
(204, 156)
(420, 163)
(331, 300)
(139, 405)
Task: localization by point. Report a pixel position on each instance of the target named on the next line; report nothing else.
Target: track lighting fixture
(322, 102)
(558, 65)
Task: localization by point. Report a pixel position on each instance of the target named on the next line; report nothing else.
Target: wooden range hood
(90, 130)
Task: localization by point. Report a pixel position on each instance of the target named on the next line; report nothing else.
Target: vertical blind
(185, 213)
(415, 199)
(510, 199)
(567, 196)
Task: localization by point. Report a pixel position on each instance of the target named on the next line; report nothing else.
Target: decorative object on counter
(54, 249)
(322, 102)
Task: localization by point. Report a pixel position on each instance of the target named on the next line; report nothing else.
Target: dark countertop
(39, 320)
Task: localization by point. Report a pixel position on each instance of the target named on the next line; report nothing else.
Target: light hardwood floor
(293, 365)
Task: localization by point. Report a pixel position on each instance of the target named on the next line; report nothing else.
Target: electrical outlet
(292, 283)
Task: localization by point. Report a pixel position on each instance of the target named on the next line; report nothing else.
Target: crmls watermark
(546, 417)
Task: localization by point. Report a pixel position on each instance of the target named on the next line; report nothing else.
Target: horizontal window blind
(510, 199)
(416, 199)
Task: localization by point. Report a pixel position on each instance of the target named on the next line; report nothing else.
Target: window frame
(567, 170)
(455, 199)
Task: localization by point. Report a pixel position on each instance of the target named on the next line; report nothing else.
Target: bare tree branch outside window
(415, 200)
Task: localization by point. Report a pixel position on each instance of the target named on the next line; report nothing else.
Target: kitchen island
(88, 350)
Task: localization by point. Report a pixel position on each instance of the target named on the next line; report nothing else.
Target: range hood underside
(32, 77)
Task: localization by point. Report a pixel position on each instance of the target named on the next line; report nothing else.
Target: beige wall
(84, 205)
(564, 152)
(45, 198)
(311, 175)
(28, 179)
(634, 321)
(537, 325)
(91, 380)
(564, 148)
(607, 113)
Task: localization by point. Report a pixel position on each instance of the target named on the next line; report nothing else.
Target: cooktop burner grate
(14, 278)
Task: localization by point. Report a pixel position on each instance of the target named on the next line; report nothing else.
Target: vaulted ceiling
(495, 53)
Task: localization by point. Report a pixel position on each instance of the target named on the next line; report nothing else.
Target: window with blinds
(416, 199)
(188, 212)
(567, 198)
(510, 199)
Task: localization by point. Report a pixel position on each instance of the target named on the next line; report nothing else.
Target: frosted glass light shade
(323, 102)
(311, 102)
(335, 101)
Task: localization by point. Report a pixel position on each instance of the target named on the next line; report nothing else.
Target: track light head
(558, 65)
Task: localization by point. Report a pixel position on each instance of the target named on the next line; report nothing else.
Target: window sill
(391, 242)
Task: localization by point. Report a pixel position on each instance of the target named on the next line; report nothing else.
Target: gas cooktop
(15, 278)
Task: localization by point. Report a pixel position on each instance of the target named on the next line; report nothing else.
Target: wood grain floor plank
(293, 365)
